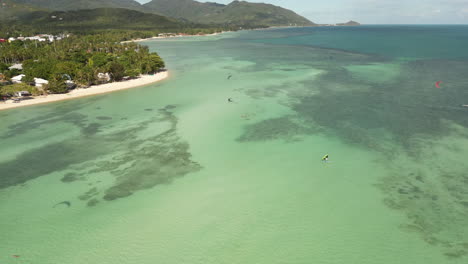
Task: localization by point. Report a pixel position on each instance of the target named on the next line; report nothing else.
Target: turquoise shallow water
(173, 173)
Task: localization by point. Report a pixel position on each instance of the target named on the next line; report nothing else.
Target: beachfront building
(41, 38)
(39, 83)
(17, 66)
(104, 77)
(23, 94)
(17, 78)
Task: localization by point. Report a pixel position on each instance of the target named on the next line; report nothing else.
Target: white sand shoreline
(172, 37)
(93, 90)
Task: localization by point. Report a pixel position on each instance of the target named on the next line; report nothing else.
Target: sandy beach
(177, 36)
(93, 90)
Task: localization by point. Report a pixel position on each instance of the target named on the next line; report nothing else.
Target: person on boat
(325, 158)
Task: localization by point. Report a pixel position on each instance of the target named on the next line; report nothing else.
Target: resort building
(40, 38)
(104, 77)
(38, 82)
(17, 66)
(17, 78)
(23, 94)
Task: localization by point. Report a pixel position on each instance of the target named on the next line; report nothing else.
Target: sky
(375, 11)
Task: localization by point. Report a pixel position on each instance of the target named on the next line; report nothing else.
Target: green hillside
(100, 19)
(79, 4)
(20, 17)
(235, 14)
(123, 24)
(239, 13)
(183, 9)
(9, 9)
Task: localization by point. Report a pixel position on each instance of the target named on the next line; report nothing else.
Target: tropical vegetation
(77, 58)
(94, 51)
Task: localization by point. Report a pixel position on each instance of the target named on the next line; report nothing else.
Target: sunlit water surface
(174, 173)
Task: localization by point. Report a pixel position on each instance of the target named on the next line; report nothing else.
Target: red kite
(437, 84)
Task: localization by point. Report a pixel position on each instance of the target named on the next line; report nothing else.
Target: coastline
(92, 90)
(170, 37)
(219, 33)
(222, 32)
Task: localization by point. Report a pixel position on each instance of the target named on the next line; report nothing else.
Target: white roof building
(17, 66)
(17, 78)
(104, 76)
(40, 82)
(22, 94)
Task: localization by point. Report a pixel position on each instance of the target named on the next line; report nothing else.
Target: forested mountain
(78, 4)
(19, 17)
(101, 18)
(10, 9)
(238, 13)
(128, 24)
(184, 9)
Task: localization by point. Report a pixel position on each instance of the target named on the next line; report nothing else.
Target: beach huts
(40, 38)
(17, 66)
(38, 82)
(23, 94)
(104, 77)
(41, 83)
(17, 78)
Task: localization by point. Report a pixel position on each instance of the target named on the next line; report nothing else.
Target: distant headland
(349, 23)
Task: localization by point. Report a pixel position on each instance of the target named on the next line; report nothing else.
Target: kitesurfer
(230, 100)
(325, 158)
(67, 203)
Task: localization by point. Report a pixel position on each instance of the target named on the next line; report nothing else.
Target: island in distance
(349, 23)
